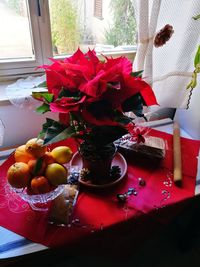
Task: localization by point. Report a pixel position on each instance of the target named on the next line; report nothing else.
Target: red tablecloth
(97, 211)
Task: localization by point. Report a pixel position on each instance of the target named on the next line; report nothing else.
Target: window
(32, 31)
(98, 9)
(20, 37)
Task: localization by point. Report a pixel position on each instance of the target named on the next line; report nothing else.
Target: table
(12, 244)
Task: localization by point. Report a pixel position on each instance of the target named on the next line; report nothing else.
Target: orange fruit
(48, 158)
(56, 174)
(35, 147)
(62, 154)
(32, 166)
(40, 185)
(18, 175)
(21, 155)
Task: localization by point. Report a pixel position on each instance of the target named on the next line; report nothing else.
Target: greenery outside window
(32, 31)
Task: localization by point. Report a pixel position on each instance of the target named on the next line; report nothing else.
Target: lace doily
(19, 93)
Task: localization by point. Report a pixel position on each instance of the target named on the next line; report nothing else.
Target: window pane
(15, 33)
(106, 25)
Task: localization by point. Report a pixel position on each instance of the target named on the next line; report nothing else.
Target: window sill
(11, 75)
(12, 79)
(21, 86)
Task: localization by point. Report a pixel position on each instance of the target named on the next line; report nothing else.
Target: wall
(20, 124)
(189, 119)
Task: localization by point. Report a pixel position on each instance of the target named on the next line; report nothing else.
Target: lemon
(62, 154)
(56, 174)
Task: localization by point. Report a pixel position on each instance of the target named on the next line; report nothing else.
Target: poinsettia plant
(91, 97)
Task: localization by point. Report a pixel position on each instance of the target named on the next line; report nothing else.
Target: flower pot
(97, 161)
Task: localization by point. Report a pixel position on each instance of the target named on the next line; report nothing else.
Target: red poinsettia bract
(92, 91)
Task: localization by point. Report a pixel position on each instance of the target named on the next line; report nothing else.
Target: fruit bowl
(39, 202)
(38, 174)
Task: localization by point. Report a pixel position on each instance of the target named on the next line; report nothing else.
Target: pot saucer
(118, 160)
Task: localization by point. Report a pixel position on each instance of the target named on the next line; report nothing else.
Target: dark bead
(135, 193)
(141, 181)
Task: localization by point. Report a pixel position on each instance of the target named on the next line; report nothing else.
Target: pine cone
(163, 35)
(85, 174)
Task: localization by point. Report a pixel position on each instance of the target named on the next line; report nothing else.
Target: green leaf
(196, 17)
(67, 133)
(138, 112)
(197, 57)
(53, 131)
(48, 97)
(51, 128)
(133, 103)
(43, 95)
(137, 73)
(38, 166)
(38, 95)
(67, 93)
(75, 116)
(43, 108)
(45, 126)
(103, 135)
(48, 123)
(121, 118)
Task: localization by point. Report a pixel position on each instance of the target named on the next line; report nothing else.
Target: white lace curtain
(168, 68)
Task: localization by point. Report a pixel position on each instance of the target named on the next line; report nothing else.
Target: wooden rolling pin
(177, 155)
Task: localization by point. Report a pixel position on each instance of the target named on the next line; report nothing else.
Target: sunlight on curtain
(169, 67)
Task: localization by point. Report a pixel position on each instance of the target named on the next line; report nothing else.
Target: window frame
(41, 40)
(42, 43)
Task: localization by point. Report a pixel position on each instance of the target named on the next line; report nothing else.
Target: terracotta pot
(98, 161)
